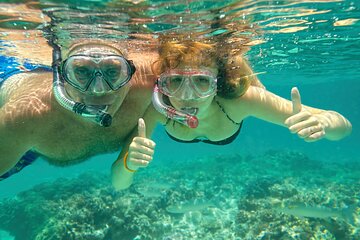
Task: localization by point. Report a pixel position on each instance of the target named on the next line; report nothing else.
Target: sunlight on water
(283, 35)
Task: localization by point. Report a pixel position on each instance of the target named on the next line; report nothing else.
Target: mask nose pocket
(98, 85)
(186, 92)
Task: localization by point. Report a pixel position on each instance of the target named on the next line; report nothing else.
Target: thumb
(296, 100)
(141, 128)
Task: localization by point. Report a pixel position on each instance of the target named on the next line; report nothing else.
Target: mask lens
(202, 84)
(82, 73)
(197, 84)
(172, 83)
(116, 71)
(81, 70)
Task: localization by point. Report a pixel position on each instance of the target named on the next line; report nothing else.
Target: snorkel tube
(95, 114)
(180, 116)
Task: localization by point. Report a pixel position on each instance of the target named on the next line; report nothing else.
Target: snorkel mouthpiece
(180, 116)
(95, 114)
(192, 122)
(190, 110)
(105, 120)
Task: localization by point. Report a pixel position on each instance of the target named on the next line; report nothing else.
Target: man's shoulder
(27, 94)
(36, 79)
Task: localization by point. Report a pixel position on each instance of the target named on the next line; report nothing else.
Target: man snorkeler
(91, 107)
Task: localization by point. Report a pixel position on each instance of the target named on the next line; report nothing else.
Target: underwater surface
(268, 184)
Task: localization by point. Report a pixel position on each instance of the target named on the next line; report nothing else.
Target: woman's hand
(307, 125)
(141, 149)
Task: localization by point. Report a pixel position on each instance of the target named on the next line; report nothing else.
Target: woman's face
(194, 82)
(201, 106)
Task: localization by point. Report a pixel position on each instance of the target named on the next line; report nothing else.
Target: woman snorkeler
(202, 95)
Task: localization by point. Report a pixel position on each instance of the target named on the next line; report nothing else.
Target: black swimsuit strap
(223, 110)
(221, 142)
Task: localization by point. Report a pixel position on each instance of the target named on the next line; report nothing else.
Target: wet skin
(31, 119)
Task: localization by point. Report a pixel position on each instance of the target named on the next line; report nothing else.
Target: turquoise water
(304, 44)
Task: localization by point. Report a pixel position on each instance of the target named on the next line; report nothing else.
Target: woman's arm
(137, 153)
(309, 123)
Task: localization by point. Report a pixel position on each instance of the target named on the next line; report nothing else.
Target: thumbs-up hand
(304, 123)
(141, 149)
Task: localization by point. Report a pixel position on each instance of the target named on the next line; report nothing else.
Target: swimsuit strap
(25, 160)
(223, 110)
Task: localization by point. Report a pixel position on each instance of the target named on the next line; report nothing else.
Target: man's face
(97, 75)
(94, 99)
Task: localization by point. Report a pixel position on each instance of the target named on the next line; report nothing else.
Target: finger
(296, 100)
(139, 162)
(141, 156)
(144, 142)
(306, 132)
(141, 128)
(315, 137)
(141, 149)
(298, 117)
(311, 122)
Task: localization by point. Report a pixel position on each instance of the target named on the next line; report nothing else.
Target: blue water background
(336, 90)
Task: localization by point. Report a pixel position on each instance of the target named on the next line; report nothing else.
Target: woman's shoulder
(241, 106)
(251, 93)
(234, 107)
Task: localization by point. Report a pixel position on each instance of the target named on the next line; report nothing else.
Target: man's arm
(14, 141)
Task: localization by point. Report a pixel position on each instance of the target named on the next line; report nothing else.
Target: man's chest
(77, 142)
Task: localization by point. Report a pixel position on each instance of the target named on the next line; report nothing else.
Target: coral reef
(174, 201)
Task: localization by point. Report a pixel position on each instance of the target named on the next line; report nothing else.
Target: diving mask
(188, 84)
(81, 70)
